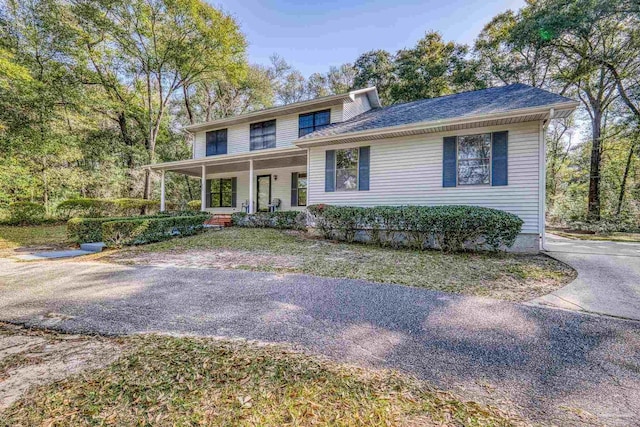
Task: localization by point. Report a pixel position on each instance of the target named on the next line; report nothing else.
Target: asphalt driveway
(552, 366)
(608, 279)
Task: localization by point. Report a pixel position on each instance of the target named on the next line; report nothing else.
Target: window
(263, 135)
(217, 142)
(474, 159)
(347, 169)
(302, 189)
(307, 123)
(221, 195)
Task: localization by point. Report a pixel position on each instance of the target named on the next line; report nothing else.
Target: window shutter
(210, 138)
(363, 169)
(208, 194)
(499, 158)
(449, 162)
(234, 192)
(294, 189)
(330, 171)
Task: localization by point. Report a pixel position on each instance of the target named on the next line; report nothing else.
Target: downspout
(542, 189)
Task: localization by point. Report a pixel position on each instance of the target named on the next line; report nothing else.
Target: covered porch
(273, 180)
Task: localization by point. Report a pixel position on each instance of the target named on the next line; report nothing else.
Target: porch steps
(220, 220)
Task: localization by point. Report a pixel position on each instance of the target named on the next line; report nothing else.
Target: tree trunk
(593, 212)
(187, 104)
(623, 185)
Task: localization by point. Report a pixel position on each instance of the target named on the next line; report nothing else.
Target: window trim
(314, 127)
(490, 159)
(275, 142)
(306, 187)
(335, 166)
(220, 193)
(206, 145)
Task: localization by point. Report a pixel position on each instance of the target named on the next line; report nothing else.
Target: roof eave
(412, 127)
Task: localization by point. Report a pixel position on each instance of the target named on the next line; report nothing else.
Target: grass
(162, 380)
(611, 237)
(506, 276)
(36, 235)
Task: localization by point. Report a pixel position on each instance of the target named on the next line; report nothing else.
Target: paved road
(548, 364)
(608, 279)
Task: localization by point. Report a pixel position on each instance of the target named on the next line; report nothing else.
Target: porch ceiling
(235, 165)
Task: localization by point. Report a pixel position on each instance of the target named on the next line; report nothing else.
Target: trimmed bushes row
(294, 220)
(138, 231)
(26, 213)
(83, 230)
(448, 228)
(93, 208)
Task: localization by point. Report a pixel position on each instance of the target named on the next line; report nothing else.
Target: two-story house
(482, 148)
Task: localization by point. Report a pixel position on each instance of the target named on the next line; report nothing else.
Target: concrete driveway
(551, 366)
(608, 279)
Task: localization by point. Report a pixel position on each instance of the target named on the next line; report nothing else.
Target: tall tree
(375, 68)
(166, 45)
(434, 68)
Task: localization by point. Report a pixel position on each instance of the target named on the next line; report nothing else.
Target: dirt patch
(30, 358)
(222, 259)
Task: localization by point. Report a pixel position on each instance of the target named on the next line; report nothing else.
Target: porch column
(250, 185)
(203, 189)
(162, 193)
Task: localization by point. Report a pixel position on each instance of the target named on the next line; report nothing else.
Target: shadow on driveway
(548, 365)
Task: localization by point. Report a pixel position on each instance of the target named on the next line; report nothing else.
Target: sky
(313, 35)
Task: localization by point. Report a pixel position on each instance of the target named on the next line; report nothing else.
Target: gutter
(542, 181)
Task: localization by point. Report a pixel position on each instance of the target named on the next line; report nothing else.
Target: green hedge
(26, 213)
(83, 230)
(449, 228)
(296, 220)
(95, 208)
(137, 231)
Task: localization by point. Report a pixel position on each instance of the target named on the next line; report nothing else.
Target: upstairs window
(474, 159)
(262, 135)
(217, 142)
(310, 122)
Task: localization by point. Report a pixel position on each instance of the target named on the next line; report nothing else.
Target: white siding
(358, 106)
(238, 135)
(408, 170)
(280, 188)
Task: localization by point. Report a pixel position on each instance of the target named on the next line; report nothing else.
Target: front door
(264, 193)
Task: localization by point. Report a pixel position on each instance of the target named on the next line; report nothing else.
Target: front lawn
(505, 276)
(32, 236)
(159, 380)
(610, 237)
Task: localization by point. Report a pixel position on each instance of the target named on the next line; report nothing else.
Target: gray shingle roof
(485, 101)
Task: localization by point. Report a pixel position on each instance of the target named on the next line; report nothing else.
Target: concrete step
(92, 247)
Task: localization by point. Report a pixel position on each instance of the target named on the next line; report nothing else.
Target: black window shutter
(363, 169)
(210, 143)
(330, 171)
(499, 158)
(294, 189)
(449, 162)
(208, 194)
(234, 192)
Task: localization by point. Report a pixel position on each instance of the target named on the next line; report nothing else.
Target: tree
(433, 68)
(375, 68)
(166, 45)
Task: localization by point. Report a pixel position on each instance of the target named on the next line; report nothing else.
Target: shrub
(83, 230)
(296, 220)
(449, 228)
(85, 207)
(194, 205)
(26, 213)
(137, 231)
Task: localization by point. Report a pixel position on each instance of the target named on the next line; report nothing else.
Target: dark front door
(264, 193)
